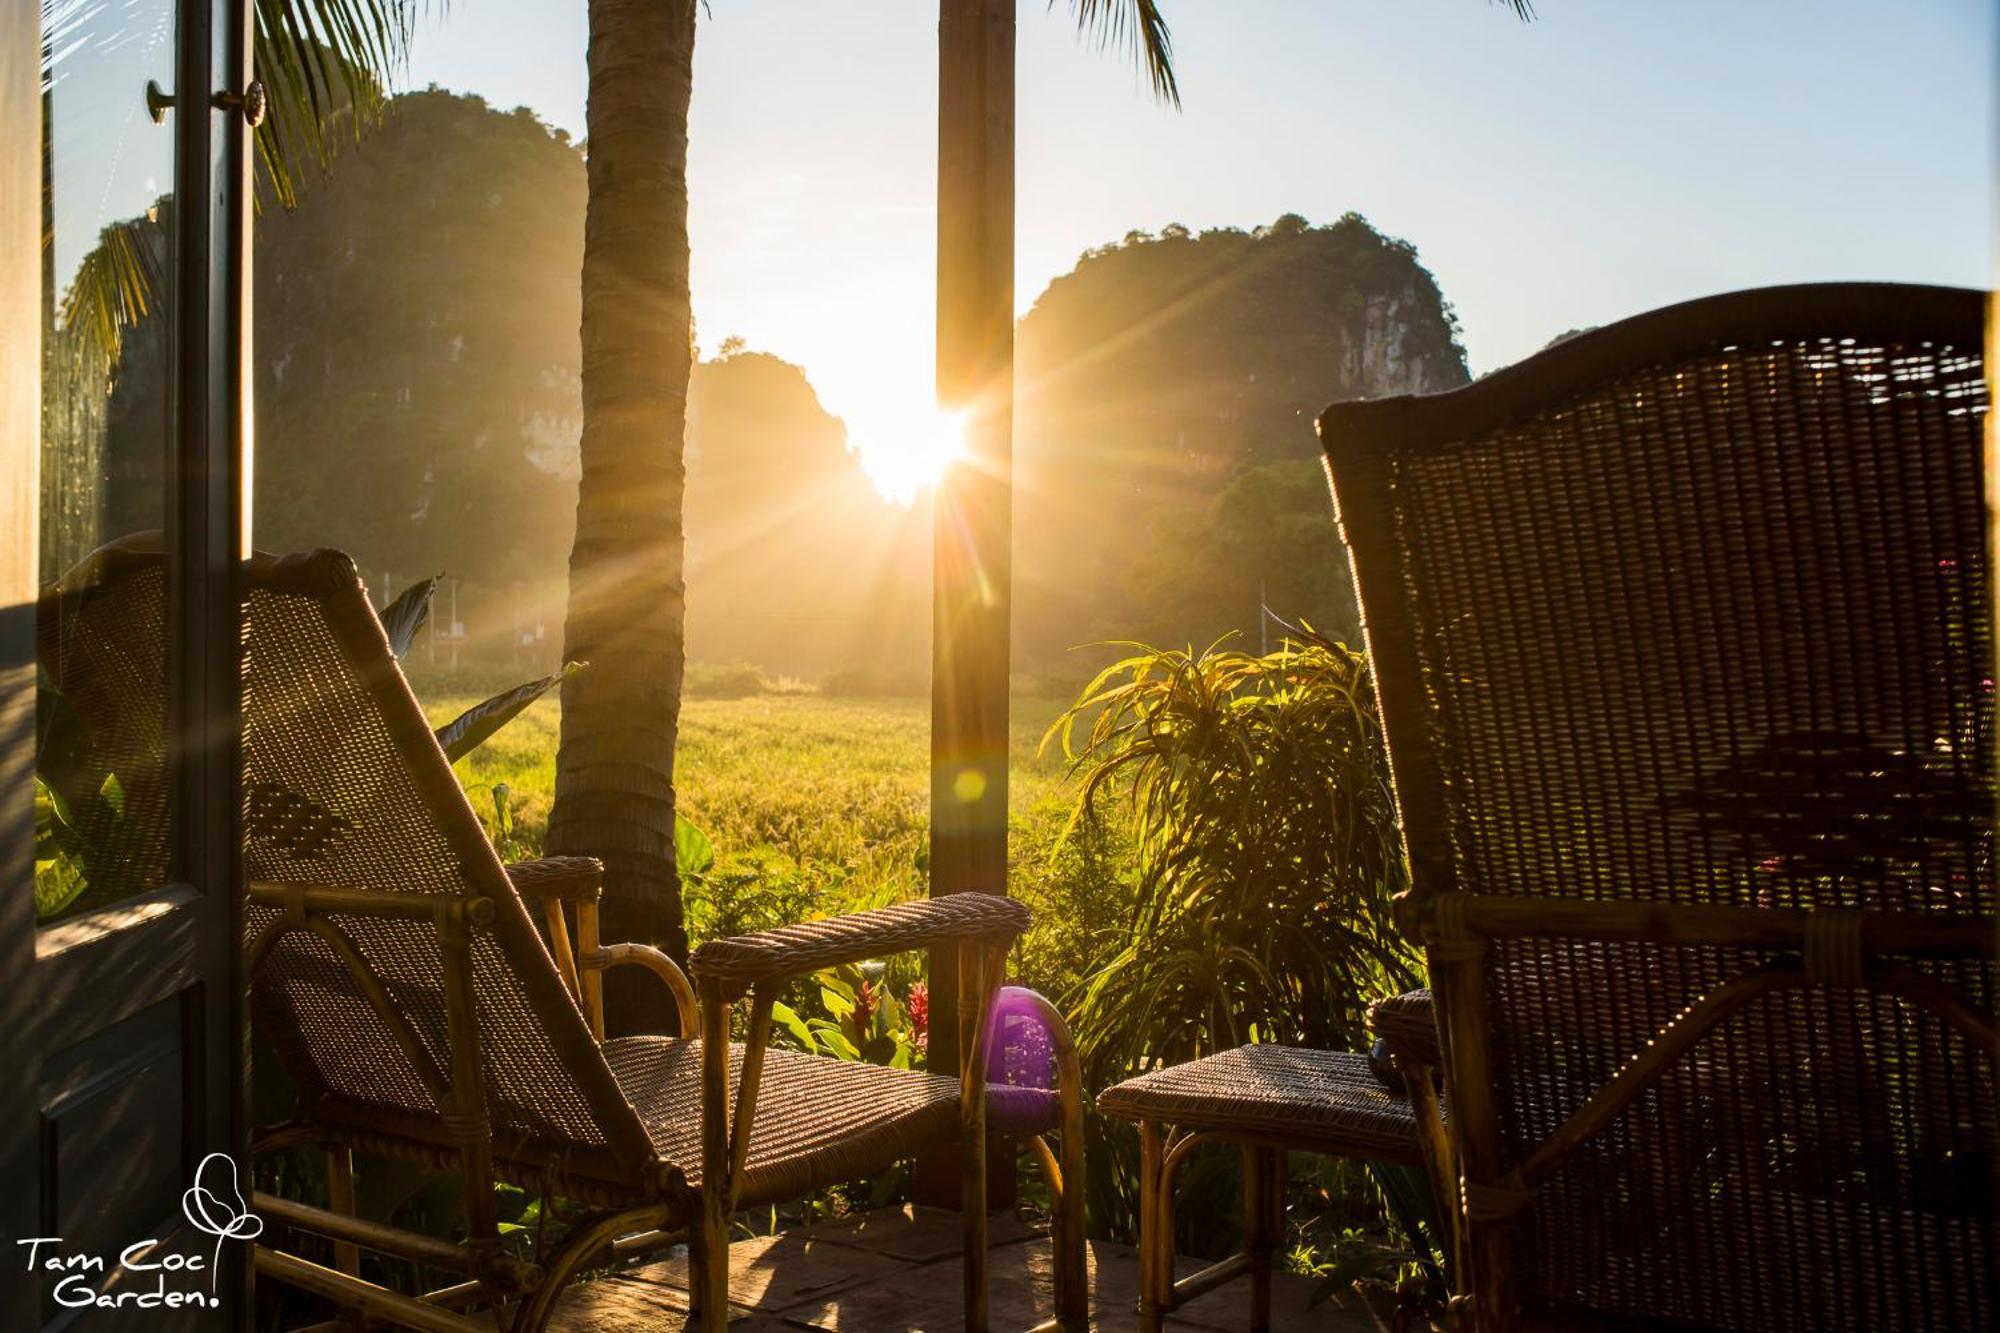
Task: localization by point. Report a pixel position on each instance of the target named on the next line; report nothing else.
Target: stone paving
(898, 1269)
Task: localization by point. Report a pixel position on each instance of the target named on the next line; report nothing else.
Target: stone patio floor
(898, 1269)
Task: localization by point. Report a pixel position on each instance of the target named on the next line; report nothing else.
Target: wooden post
(972, 545)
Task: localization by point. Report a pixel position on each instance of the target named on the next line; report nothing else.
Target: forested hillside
(1167, 470)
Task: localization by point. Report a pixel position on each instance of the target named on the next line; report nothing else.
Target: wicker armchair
(394, 966)
(1683, 637)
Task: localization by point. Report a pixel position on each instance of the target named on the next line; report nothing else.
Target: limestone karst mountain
(1166, 469)
(417, 403)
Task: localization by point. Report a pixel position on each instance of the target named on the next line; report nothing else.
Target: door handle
(253, 102)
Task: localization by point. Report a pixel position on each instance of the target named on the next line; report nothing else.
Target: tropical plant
(1255, 792)
(627, 603)
(322, 62)
(1259, 800)
(860, 1019)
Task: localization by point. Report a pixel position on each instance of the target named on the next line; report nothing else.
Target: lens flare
(904, 449)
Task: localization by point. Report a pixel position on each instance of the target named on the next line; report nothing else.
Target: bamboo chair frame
(1368, 445)
(1264, 1100)
(637, 1198)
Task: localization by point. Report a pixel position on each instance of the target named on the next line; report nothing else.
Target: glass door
(121, 270)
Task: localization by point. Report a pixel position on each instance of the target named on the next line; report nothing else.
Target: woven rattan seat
(819, 1121)
(1325, 1099)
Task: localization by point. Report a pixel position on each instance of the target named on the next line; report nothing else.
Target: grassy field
(818, 805)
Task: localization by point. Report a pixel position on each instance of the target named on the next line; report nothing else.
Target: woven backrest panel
(1710, 624)
(344, 786)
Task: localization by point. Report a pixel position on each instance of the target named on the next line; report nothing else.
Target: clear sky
(1613, 156)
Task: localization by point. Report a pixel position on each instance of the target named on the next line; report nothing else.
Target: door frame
(184, 937)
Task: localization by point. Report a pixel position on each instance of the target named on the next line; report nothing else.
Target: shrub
(1257, 801)
(728, 680)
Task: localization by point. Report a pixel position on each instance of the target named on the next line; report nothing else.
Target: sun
(904, 448)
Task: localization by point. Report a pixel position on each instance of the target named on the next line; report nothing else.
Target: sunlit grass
(827, 797)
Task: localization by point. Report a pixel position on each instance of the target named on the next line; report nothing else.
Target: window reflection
(106, 298)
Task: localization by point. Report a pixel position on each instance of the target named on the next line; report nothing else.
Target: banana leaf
(402, 618)
(694, 854)
(470, 729)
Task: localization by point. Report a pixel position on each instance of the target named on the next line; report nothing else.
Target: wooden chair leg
(708, 1263)
(1065, 1175)
(979, 970)
(1263, 1196)
(340, 1199)
(1152, 1156)
(708, 1275)
(1072, 1259)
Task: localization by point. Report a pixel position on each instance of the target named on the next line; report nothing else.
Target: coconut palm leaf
(325, 64)
(1139, 26)
(113, 289)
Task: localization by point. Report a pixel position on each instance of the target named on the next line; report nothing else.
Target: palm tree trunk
(627, 596)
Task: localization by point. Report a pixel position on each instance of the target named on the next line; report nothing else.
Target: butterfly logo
(214, 1205)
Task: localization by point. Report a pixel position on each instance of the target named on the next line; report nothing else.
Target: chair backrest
(1694, 612)
(344, 785)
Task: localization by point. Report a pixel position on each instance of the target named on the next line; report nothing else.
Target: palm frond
(1139, 26)
(326, 65)
(112, 290)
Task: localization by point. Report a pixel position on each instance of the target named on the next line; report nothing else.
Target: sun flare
(903, 448)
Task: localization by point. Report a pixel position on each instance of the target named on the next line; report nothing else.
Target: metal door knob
(253, 102)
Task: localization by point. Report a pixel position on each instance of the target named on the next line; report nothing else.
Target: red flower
(864, 1009)
(920, 1013)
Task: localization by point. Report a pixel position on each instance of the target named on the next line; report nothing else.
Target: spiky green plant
(1258, 794)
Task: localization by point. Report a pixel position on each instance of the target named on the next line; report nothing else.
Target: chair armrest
(572, 879)
(660, 965)
(1408, 1023)
(739, 962)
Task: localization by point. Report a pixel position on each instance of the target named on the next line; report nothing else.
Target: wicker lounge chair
(1683, 637)
(394, 965)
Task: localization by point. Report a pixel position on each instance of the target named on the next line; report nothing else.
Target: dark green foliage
(1267, 540)
(1267, 849)
(1157, 383)
(84, 852)
(1256, 794)
(417, 348)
